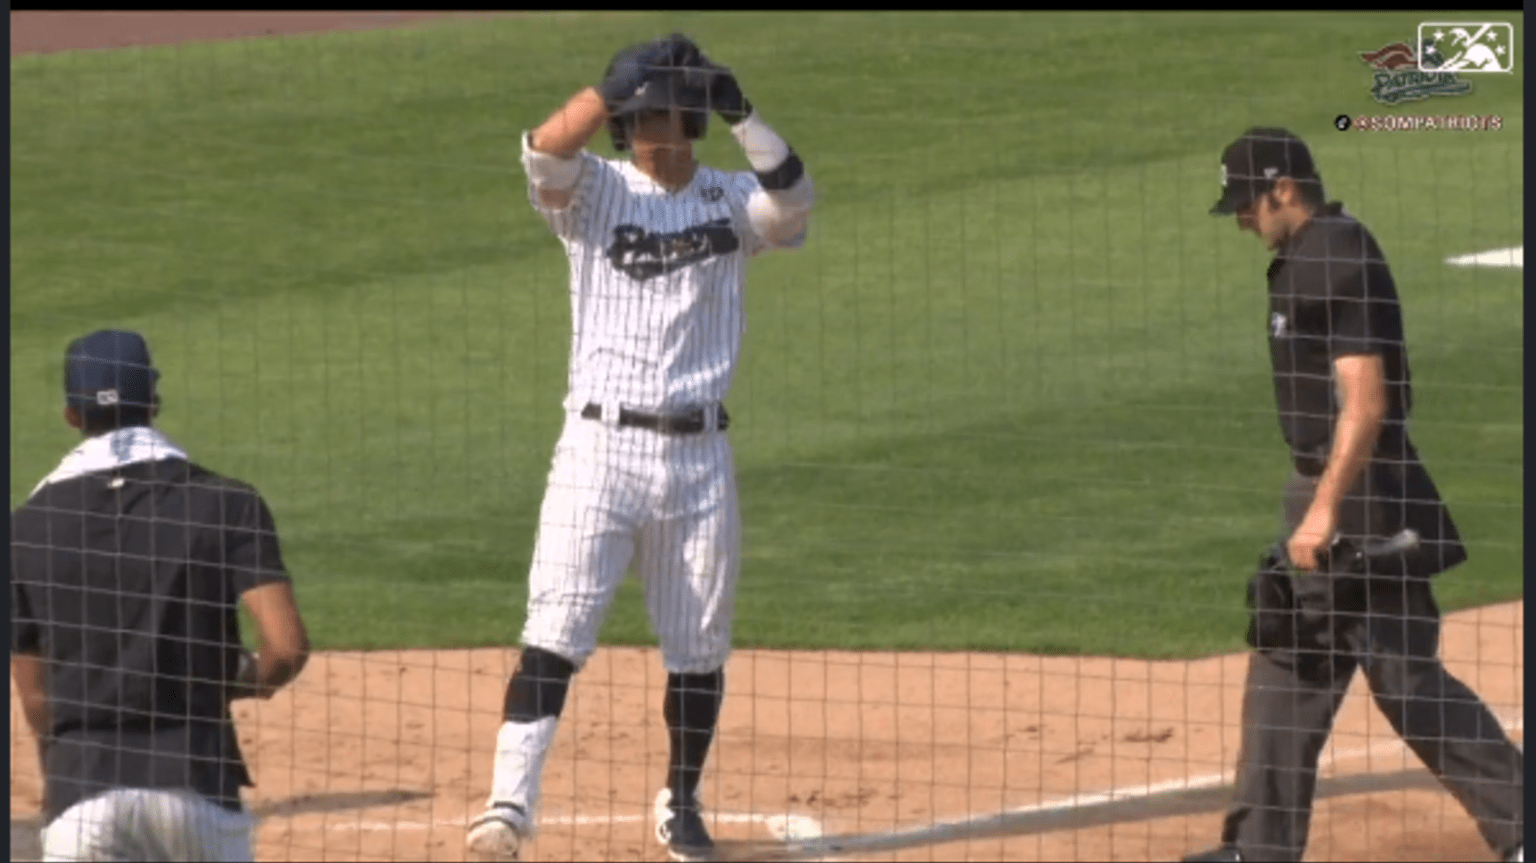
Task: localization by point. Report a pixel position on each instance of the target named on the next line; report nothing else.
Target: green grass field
(1013, 395)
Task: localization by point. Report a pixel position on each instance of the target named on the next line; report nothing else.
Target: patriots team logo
(1399, 76)
(1395, 56)
(642, 255)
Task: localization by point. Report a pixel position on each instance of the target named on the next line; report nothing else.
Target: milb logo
(1473, 47)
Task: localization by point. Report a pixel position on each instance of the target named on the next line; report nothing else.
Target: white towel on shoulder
(113, 450)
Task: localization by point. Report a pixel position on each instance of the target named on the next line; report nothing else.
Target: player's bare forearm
(1363, 395)
(36, 710)
(572, 126)
(29, 673)
(284, 647)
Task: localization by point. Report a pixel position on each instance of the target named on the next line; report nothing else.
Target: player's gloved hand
(245, 684)
(634, 66)
(725, 96)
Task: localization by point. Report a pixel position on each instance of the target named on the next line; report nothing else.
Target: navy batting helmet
(682, 87)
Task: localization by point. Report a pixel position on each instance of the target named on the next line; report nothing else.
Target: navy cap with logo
(1251, 164)
(109, 368)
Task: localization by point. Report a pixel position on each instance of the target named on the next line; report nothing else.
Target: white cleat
(497, 834)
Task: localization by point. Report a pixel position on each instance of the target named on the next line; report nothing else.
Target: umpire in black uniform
(1342, 387)
(127, 563)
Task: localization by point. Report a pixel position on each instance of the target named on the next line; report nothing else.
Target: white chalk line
(1513, 258)
(1385, 748)
(784, 827)
(933, 832)
(1189, 783)
(790, 827)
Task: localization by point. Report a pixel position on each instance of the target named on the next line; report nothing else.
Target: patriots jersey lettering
(643, 255)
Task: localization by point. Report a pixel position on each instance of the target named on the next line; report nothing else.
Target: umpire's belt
(1311, 461)
(690, 422)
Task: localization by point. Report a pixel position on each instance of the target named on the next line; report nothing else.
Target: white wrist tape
(765, 149)
(548, 171)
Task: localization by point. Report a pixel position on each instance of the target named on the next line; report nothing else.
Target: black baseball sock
(692, 709)
(538, 687)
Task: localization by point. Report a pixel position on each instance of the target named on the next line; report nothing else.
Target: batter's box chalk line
(1331, 757)
(784, 827)
(797, 828)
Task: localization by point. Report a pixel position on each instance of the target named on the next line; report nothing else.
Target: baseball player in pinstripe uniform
(643, 472)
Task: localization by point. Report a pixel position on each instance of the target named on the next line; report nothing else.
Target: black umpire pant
(1388, 626)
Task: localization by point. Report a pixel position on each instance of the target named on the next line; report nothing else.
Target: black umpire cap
(1251, 164)
(107, 369)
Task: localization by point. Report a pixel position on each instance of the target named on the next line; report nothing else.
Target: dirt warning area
(385, 755)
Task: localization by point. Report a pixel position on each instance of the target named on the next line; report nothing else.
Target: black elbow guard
(785, 175)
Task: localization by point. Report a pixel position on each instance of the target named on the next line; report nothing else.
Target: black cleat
(682, 830)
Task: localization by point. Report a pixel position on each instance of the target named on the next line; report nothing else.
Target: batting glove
(727, 97)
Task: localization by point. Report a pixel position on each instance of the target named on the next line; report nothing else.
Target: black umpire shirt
(1331, 294)
(126, 582)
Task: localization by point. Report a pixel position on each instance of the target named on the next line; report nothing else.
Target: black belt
(692, 422)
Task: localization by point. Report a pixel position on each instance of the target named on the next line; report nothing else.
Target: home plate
(1514, 258)
(793, 828)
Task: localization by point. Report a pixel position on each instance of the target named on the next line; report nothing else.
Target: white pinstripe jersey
(657, 284)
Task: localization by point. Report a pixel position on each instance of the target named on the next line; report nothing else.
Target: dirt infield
(382, 756)
(841, 741)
